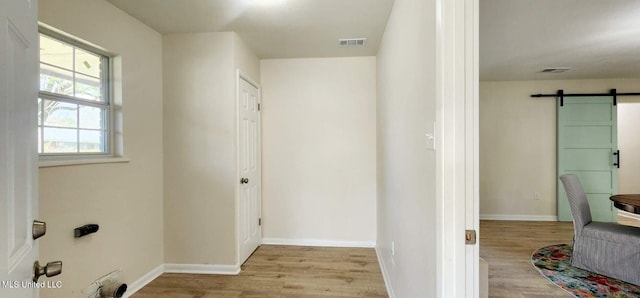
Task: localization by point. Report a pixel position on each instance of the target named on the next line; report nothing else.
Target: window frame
(106, 81)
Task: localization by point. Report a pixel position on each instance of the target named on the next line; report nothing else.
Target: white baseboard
(179, 268)
(202, 269)
(318, 242)
(518, 217)
(143, 281)
(385, 275)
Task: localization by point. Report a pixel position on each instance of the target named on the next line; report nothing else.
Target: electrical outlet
(536, 195)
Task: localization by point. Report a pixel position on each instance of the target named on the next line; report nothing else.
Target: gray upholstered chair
(605, 248)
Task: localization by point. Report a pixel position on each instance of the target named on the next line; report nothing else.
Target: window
(74, 109)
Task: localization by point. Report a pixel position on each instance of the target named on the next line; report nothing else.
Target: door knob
(244, 180)
(39, 229)
(51, 269)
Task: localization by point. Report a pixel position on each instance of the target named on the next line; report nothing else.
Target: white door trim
(242, 76)
(247, 78)
(457, 149)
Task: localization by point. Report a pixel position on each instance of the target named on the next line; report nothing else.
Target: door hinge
(470, 237)
(259, 221)
(258, 106)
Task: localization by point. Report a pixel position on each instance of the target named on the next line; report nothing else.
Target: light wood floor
(507, 247)
(293, 271)
(283, 271)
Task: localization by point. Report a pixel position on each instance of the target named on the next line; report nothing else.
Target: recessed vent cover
(352, 42)
(555, 69)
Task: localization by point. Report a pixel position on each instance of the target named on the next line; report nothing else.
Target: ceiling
(595, 38)
(273, 28)
(518, 38)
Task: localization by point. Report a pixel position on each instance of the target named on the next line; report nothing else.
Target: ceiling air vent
(555, 69)
(352, 42)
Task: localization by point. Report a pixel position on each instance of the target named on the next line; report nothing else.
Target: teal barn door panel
(587, 138)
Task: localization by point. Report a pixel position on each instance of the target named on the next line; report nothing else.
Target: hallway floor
(283, 271)
(507, 247)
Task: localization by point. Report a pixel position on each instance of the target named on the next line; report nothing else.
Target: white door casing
(249, 169)
(472, 144)
(457, 106)
(19, 50)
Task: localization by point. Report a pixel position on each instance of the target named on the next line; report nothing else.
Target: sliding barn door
(587, 145)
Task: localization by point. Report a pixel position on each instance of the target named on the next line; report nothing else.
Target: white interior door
(18, 146)
(249, 205)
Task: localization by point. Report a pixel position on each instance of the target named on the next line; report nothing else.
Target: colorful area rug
(554, 263)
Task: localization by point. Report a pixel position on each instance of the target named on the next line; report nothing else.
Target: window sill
(81, 161)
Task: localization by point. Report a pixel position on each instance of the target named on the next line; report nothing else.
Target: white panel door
(249, 222)
(18, 146)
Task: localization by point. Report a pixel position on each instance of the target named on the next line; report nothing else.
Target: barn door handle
(617, 155)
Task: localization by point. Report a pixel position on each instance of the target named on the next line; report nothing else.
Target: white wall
(518, 144)
(200, 145)
(318, 131)
(245, 60)
(125, 199)
(406, 170)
